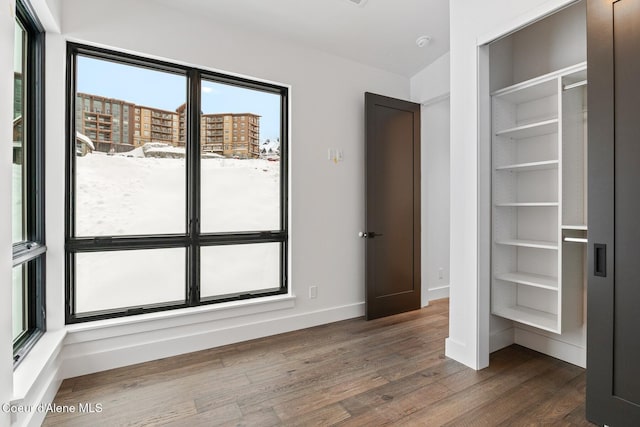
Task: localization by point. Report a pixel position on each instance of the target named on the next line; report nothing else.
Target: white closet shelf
(575, 85)
(531, 166)
(526, 204)
(539, 88)
(529, 316)
(529, 279)
(538, 244)
(574, 227)
(529, 130)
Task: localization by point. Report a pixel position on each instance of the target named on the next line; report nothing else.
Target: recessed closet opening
(533, 185)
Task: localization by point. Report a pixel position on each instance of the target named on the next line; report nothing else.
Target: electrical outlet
(440, 273)
(313, 292)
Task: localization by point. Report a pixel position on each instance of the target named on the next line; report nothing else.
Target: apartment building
(231, 135)
(106, 121)
(155, 125)
(117, 125)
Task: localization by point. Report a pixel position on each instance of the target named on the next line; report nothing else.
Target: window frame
(192, 239)
(31, 252)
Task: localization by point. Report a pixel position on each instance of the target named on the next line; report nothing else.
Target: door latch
(368, 234)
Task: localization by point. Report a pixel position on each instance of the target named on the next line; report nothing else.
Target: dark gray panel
(626, 351)
(613, 317)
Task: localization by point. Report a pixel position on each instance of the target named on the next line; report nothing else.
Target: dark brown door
(613, 309)
(392, 233)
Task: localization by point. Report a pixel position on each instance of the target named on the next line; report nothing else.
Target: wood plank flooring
(390, 371)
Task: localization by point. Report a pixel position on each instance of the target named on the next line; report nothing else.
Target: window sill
(102, 329)
(33, 366)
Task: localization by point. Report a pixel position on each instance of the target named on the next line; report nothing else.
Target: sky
(168, 91)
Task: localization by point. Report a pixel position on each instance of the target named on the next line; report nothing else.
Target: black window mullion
(96, 244)
(70, 288)
(284, 157)
(242, 238)
(284, 187)
(70, 168)
(35, 137)
(193, 186)
(70, 184)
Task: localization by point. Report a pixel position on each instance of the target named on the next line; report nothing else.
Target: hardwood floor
(351, 373)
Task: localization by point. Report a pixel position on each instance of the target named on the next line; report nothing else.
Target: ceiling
(382, 33)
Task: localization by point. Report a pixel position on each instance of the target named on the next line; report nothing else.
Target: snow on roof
(85, 139)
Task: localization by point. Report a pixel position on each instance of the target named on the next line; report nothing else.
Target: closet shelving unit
(538, 197)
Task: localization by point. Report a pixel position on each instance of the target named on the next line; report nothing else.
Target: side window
(27, 198)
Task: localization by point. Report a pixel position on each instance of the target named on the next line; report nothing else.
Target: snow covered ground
(135, 195)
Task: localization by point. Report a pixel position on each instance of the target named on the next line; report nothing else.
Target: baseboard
(459, 352)
(501, 339)
(552, 347)
(438, 293)
(81, 358)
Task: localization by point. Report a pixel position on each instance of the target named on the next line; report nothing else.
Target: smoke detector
(359, 3)
(423, 41)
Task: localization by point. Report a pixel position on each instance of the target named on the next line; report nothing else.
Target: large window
(28, 185)
(180, 214)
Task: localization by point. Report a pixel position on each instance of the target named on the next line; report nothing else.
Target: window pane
(233, 269)
(19, 309)
(126, 183)
(240, 160)
(19, 146)
(110, 280)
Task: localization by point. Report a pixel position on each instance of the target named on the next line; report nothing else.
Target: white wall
(431, 87)
(433, 82)
(553, 43)
(7, 27)
(473, 23)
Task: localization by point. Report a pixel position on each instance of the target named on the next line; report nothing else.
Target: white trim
(438, 293)
(552, 347)
(431, 101)
(101, 329)
(31, 368)
(501, 339)
(457, 351)
(548, 8)
(82, 356)
(37, 379)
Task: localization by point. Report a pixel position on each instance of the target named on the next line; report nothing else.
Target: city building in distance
(115, 125)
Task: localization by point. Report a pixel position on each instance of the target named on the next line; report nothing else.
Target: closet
(538, 81)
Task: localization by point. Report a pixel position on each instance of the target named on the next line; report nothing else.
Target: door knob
(368, 235)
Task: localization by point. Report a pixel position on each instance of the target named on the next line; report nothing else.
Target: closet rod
(575, 239)
(574, 85)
